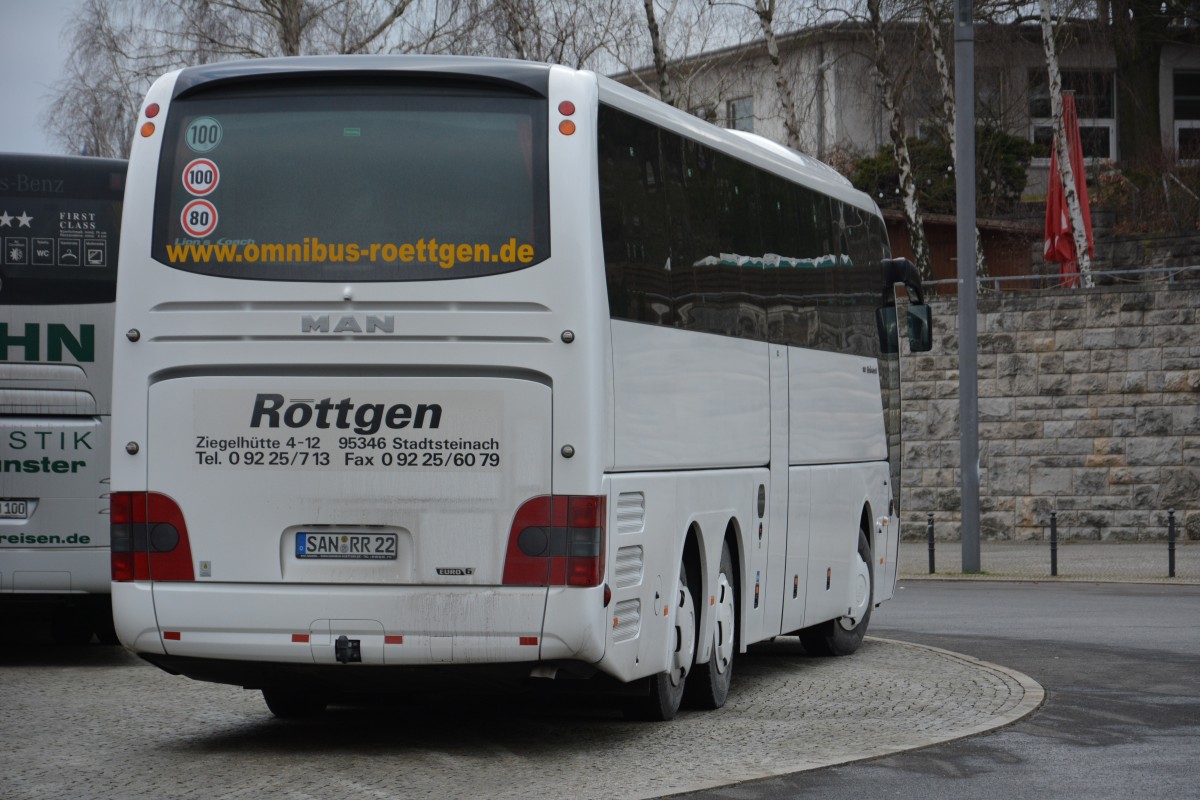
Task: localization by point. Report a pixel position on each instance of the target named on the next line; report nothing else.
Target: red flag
(1059, 241)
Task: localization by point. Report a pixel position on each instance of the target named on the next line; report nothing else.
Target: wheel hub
(861, 582)
(723, 629)
(685, 635)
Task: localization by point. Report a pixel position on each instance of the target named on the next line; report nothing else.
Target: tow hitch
(347, 651)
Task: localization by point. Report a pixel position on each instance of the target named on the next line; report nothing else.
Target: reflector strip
(393, 640)
(172, 635)
(529, 641)
(300, 638)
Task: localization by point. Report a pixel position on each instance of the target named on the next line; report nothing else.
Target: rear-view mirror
(920, 329)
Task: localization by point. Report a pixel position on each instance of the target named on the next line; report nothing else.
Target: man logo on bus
(366, 419)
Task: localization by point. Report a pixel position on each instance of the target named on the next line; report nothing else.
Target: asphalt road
(1121, 666)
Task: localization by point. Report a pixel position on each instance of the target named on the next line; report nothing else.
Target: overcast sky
(31, 60)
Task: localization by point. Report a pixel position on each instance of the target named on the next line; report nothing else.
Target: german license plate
(14, 509)
(370, 546)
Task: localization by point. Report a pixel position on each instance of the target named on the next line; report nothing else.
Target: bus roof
(530, 75)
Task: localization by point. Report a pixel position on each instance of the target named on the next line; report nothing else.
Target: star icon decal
(24, 220)
(5, 220)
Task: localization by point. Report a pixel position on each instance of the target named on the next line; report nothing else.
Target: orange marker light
(152, 110)
(566, 108)
(566, 127)
(148, 129)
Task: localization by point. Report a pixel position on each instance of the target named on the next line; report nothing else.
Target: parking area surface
(97, 723)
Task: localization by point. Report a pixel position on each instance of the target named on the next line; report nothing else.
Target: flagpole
(968, 385)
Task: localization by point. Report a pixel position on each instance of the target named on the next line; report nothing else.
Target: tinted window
(697, 239)
(363, 182)
(60, 225)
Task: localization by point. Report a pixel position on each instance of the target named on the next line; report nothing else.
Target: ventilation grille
(631, 512)
(627, 620)
(631, 565)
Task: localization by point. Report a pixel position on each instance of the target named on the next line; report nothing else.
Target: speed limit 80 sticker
(199, 218)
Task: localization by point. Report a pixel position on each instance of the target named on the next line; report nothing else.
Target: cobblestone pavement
(1141, 562)
(97, 723)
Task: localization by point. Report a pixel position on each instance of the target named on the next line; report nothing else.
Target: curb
(1033, 697)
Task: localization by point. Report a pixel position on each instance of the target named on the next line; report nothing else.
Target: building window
(741, 114)
(1094, 104)
(1187, 116)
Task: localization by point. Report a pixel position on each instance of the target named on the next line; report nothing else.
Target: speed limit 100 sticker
(199, 218)
(201, 176)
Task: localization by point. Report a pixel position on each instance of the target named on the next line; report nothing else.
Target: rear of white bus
(60, 220)
(331, 463)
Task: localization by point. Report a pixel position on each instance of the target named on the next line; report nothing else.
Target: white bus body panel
(836, 409)
(665, 386)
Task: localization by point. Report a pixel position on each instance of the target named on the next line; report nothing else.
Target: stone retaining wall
(1089, 404)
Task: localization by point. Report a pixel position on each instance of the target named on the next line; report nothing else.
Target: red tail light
(149, 538)
(556, 540)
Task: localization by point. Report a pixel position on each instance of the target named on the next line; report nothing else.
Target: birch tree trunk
(765, 9)
(933, 23)
(1066, 170)
(666, 91)
(908, 185)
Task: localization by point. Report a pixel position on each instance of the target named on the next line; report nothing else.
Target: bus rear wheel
(708, 685)
(666, 688)
(843, 636)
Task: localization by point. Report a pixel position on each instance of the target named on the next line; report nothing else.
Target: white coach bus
(431, 361)
(60, 219)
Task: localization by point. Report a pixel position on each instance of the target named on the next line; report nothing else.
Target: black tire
(102, 623)
(708, 685)
(838, 637)
(293, 704)
(666, 688)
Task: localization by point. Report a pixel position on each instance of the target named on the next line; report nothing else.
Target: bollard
(1170, 543)
(929, 535)
(1053, 544)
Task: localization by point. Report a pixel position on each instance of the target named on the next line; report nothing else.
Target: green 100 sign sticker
(203, 134)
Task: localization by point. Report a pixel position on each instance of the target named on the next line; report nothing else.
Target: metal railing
(1054, 281)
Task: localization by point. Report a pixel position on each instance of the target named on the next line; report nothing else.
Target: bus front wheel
(842, 636)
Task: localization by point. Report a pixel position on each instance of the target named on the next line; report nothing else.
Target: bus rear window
(60, 225)
(353, 182)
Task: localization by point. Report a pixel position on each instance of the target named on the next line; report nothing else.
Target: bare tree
(1066, 172)
(765, 11)
(688, 47)
(932, 18)
(892, 108)
(666, 91)
(118, 47)
(765, 15)
(580, 35)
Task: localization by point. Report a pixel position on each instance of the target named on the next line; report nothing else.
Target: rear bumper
(393, 625)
